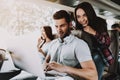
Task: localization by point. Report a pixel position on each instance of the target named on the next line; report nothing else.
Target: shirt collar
(67, 39)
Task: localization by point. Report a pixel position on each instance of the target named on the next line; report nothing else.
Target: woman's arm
(39, 45)
(42, 52)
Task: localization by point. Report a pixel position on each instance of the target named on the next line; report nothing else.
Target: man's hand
(46, 67)
(55, 66)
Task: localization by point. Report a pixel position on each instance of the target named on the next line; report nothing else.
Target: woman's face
(81, 17)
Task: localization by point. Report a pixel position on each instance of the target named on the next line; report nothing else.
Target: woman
(94, 32)
(44, 41)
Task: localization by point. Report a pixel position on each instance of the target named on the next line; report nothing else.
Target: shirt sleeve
(103, 39)
(82, 51)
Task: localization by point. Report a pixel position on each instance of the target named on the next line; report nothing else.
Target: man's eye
(56, 26)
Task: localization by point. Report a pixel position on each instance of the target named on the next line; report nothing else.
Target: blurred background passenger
(44, 41)
(114, 69)
(116, 26)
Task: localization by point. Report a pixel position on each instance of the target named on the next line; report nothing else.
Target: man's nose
(59, 29)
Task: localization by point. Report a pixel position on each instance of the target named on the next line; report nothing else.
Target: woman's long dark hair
(48, 32)
(95, 22)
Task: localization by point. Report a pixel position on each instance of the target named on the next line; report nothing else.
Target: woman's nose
(82, 19)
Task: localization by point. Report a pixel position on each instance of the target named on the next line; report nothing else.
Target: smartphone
(42, 42)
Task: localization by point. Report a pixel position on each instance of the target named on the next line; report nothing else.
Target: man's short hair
(62, 14)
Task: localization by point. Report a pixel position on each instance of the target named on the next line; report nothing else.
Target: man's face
(62, 27)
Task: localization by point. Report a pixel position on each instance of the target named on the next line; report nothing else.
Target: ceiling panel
(108, 8)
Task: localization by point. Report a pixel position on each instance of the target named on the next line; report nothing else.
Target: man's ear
(71, 25)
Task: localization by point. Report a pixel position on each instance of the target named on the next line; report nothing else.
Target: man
(68, 54)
